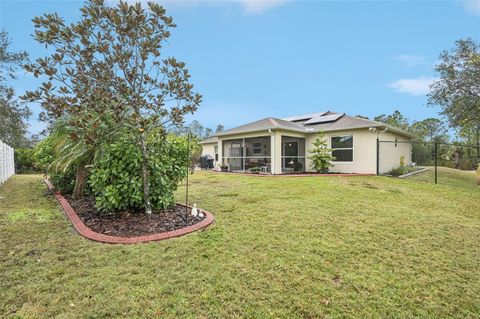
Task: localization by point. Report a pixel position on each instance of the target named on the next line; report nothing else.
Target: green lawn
(448, 176)
(281, 247)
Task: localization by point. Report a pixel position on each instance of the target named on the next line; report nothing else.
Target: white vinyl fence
(7, 163)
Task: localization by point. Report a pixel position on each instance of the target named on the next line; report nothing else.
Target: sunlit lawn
(449, 176)
(281, 247)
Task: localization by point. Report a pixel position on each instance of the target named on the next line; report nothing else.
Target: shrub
(24, 160)
(401, 170)
(255, 170)
(116, 178)
(321, 155)
(44, 154)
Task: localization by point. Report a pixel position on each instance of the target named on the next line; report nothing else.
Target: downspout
(272, 151)
(378, 149)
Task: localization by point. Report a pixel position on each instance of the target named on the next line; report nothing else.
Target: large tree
(114, 54)
(457, 90)
(13, 114)
(396, 119)
(430, 129)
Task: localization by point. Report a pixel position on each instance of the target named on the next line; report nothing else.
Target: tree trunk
(146, 188)
(80, 181)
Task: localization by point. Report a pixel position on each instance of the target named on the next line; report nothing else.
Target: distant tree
(219, 129)
(429, 129)
(113, 54)
(321, 155)
(362, 117)
(457, 90)
(396, 119)
(13, 113)
(196, 129)
(208, 132)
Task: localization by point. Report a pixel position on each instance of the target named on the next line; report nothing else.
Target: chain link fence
(452, 164)
(7, 162)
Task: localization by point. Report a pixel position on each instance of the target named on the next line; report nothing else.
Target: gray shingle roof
(264, 124)
(345, 122)
(212, 139)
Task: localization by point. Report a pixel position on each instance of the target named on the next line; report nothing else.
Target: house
(280, 146)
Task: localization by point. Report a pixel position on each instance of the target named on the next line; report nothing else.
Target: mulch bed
(131, 223)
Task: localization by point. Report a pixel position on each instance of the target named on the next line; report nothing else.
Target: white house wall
(364, 149)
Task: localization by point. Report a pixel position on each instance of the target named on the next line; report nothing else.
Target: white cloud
(411, 59)
(418, 86)
(473, 6)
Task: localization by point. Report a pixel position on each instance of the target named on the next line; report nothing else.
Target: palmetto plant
(79, 147)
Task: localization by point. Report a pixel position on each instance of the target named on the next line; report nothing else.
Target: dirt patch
(132, 223)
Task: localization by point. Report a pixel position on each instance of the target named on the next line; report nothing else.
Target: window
(216, 153)
(342, 148)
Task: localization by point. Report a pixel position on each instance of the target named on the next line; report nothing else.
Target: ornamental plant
(115, 181)
(109, 68)
(321, 155)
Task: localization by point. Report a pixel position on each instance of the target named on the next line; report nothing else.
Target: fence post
(378, 156)
(436, 162)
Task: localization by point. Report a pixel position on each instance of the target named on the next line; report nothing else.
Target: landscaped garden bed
(130, 226)
(130, 223)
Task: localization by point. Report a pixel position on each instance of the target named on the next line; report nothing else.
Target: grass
(281, 247)
(449, 177)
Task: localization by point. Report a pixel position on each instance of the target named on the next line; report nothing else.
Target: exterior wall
(390, 153)
(209, 149)
(364, 150)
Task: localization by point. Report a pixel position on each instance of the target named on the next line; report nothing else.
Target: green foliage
(13, 114)
(402, 170)
(396, 119)
(44, 154)
(24, 160)
(457, 89)
(321, 155)
(255, 170)
(115, 178)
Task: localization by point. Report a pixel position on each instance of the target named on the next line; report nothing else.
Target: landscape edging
(86, 232)
(413, 173)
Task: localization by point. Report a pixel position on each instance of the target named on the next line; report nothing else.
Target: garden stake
(188, 166)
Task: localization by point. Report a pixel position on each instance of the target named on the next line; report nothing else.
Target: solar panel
(303, 117)
(324, 118)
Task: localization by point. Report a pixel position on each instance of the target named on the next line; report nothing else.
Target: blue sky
(252, 59)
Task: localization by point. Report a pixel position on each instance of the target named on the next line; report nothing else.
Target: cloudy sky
(252, 59)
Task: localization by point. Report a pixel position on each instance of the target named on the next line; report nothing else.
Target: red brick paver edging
(86, 232)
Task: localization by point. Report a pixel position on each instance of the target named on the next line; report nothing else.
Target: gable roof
(264, 124)
(326, 121)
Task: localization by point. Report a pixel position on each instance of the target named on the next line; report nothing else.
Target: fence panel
(439, 163)
(7, 162)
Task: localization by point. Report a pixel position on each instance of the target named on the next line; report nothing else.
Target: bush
(116, 177)
(44, 154)
(255, 170)
(24, 160)
(402, 169)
